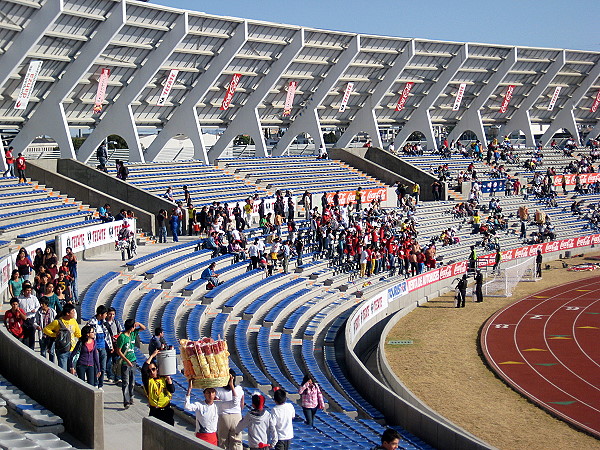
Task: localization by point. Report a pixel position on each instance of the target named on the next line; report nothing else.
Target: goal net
(510, 273)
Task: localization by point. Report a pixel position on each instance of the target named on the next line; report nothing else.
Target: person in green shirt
(126, 351)
(52, 298)
(15, 284)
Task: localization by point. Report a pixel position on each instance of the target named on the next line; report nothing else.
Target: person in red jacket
(21, 166)
(10, 162)
(14, 319)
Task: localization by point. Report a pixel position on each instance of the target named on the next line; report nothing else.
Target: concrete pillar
(521, 119)
(595, 131)
(247, 118)
(366, 119)
(471, 119)
(565, 118)
(184, 119)
(28, 37)
(308, 120)
(49, 117)
(420, 120)
(118, 117)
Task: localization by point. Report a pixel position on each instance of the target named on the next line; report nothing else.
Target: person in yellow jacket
(159, 390)
(416, 192)
(55, 329)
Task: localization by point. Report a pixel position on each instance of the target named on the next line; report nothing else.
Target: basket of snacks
(205, 362)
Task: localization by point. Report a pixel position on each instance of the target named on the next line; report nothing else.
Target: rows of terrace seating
(31, 212)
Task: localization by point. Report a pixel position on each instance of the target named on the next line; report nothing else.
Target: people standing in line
(21, 166)
(14, 319)
(24, 264)
(72, 265)
(479, 286)
(10, 162)
(126, 351)
(44, 316)
(283, 413)
(260, 424)
(538, 264)
(461, 291)
(159, 390)
(230, 413)
(390, 440)
(84, 361)
(207, 414)
(104, 343)
(66, 321)
(29, 303)
(15, 284)
(312, 398)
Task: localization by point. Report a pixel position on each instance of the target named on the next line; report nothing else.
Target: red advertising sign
(554, 98)
(404, 96)
(459, 96)
(585, 178)
(235, 79)
(507, 97)
(101, 91)
(368, 195)
(594, 107)
(349, 88)
(167, 87)
(289, 99)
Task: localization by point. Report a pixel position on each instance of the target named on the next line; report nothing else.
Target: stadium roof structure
(117, 67)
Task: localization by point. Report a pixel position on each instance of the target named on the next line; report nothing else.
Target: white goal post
(510, 273)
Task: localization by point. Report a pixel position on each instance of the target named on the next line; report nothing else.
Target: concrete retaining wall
(57, 174)
(80, 406)
(401, 406)
(388, 168)
(157, 435)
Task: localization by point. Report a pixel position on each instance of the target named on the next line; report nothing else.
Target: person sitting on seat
(210, 275)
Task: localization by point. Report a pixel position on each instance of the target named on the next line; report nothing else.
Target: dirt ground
(443, 367)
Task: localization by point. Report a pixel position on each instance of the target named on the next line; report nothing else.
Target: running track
(547, 347)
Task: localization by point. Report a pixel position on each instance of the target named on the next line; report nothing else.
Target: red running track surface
(547, 347)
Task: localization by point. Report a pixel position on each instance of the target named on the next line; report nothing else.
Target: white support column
(366, 119)
(184, 119)
(118, 118)
(565, 118)
(521, 119)
(28, 37)
(247, 119)
(49, 116)
(420, 119)
(471, 119)
(308, 120)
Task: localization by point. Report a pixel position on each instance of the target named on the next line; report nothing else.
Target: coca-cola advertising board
(101, 91)
(289, 98)
(368, 195)
(404, 96)
(233, 84)
(507, 97)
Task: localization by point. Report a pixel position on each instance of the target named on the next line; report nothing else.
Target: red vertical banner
(594, 107)
(101, 91)
(554, 98)
(169, 82)
(349, 88)
(289, 99)
(404, 96)
(459, 96)
(233, 84)
(507, 97)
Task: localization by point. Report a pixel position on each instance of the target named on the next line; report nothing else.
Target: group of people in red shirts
(11, 162)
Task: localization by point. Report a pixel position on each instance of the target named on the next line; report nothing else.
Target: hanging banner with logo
(90, 237)
(233, 84)
(404, 96)
(289, 99)
(554, 98)
(459, 96)
(101, 91)
(349, 88)
(167, 87)
(28, 83)
(594, 107)
(507, 97)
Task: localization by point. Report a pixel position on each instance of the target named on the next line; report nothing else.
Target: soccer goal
(511, 272)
